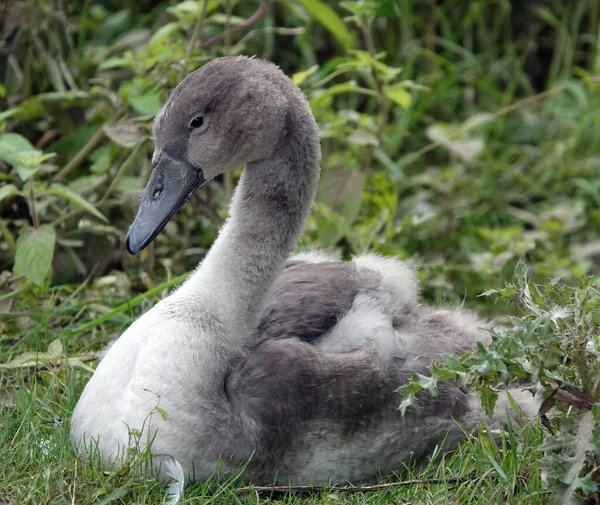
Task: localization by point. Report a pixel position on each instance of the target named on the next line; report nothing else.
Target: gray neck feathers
(268, 211)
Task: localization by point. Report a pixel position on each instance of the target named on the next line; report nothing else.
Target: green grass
(531, 194)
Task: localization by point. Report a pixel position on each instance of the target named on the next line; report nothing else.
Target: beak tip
(132, 248)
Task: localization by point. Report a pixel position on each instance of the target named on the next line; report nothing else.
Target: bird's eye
(197, 122)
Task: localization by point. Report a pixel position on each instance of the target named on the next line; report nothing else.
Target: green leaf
(55, 349)
(408, 400)
(112, 63)
(77, 363)
(146, 105)
(11, 144)
(165, 31)
(28, 163)
(498, 468)
(488, 399)
(330, 20)
(115, 495)
(567, 494)
(35, 250)
(76, 199)
(300, 77)
(30, 358)
(163, 413)
(364, 58)
(429, 384)
(397, 93)
(7, 191)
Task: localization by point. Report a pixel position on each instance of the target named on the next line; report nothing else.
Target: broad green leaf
(27, 359)
(35, 250)
(146, 105)
(76, 199)
(567, 493)
(488, 399)
(11, 144)
(55, 349)
(398, 94)
(29, 162)
(114, 62)
(7, 191)
(165, 32)
(429, 384)
(330, 20)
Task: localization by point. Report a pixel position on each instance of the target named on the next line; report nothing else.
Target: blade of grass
(126, 306)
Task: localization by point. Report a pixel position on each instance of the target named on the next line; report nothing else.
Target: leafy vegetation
(460, 135)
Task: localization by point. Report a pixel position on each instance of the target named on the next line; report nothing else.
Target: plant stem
(383, 101)
(12, 278)
(350, 489)
(34, 216)
(122, 169)
(384, 104)
(252, 20)
(66, 216)
(228, 9)
(16, 292)
(196, 34)
(88, 148)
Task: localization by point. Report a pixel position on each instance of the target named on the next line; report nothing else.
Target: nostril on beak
(157, 192)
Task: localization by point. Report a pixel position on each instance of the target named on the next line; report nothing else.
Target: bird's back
(335, 341)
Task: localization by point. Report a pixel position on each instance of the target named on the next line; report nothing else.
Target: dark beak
(172, 182)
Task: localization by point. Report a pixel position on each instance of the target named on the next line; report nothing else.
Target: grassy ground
(459, 171)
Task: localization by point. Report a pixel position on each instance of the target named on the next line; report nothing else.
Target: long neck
(268, 211)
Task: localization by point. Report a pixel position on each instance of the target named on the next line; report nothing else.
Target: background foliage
(460, 135)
